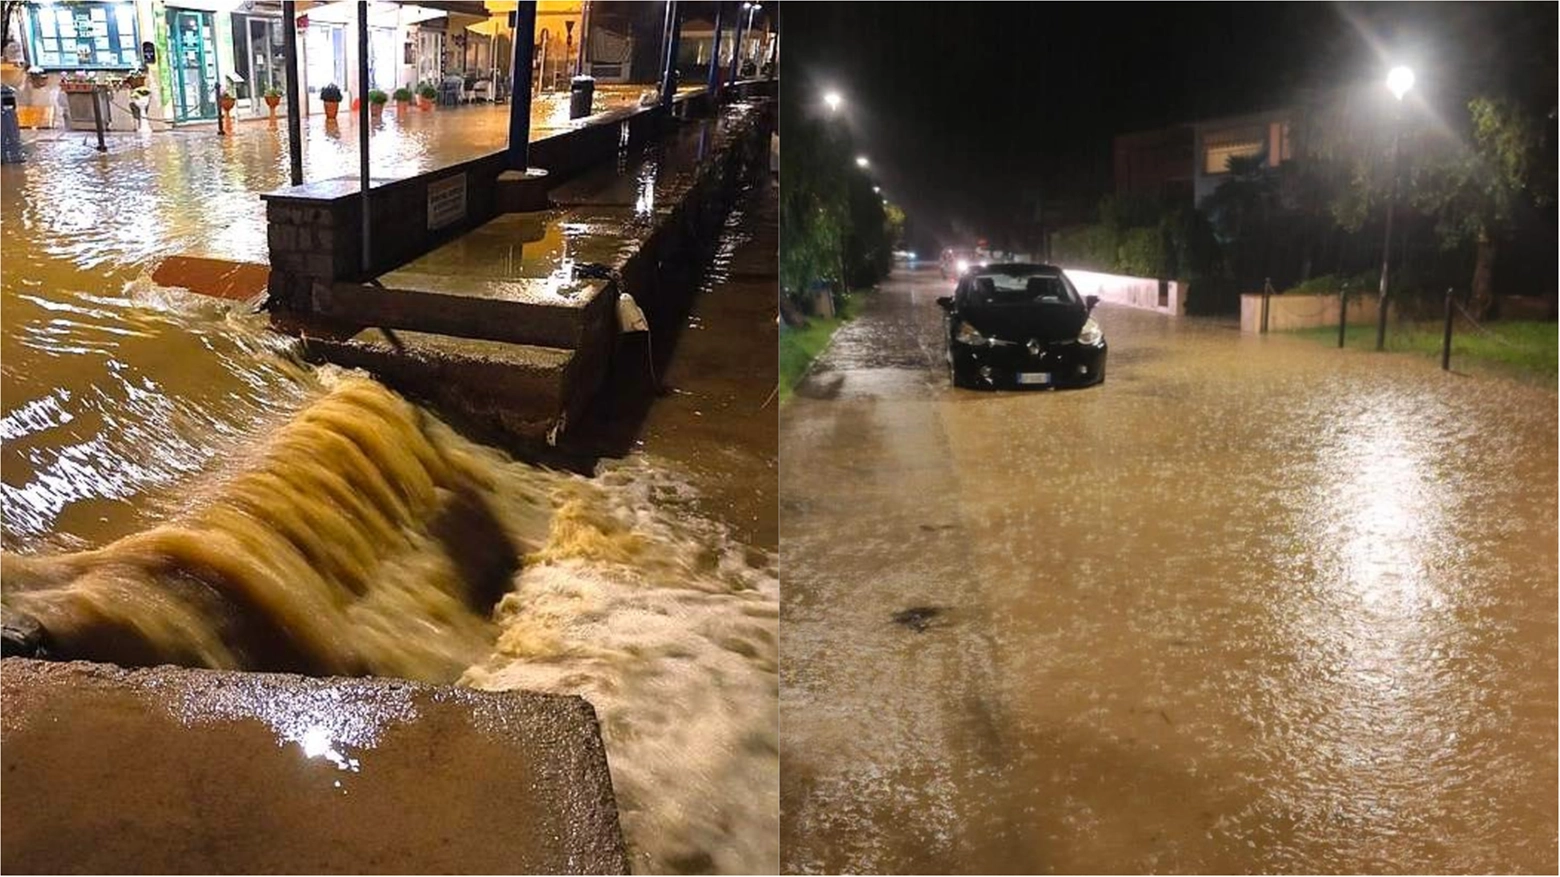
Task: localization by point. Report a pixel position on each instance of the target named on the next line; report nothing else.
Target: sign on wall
(446, 201)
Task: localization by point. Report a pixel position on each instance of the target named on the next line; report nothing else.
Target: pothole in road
(921, 618)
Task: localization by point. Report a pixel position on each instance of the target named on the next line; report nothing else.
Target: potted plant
(330, 96)
(376, 104)
(425, 96)
(227, 101)
(403, 99)
(273, 98)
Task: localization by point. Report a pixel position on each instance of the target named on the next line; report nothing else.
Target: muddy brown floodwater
(1252, 605)
(157, 444)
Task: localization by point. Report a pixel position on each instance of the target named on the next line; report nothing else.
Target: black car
(1022, 325)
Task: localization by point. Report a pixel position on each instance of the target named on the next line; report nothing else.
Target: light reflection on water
(1250, 606)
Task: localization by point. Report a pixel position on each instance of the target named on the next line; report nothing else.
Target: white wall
(1137, 292)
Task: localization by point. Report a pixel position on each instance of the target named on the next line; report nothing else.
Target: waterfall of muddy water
(365, 536)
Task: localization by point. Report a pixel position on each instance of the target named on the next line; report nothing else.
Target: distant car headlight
(962, 265)
(968, 335)
(1091, 333)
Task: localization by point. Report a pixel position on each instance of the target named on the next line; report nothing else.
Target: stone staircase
(514, 322)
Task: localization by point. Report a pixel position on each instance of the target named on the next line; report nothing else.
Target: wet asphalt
(1252, 605)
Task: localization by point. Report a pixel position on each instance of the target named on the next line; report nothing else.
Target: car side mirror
(1090, 301)
(945, 302)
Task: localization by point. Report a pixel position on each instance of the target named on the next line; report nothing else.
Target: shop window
(84, 36)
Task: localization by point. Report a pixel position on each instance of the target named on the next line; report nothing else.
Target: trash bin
(10, 129)
(582, 91)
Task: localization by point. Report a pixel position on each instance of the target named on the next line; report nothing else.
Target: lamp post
(861, 161)
(1399, 81)
(833, 100)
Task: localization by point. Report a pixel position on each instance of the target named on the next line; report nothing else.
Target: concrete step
(177, 771)
(544, 312)
(526, 391)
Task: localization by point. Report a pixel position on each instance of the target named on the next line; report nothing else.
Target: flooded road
(1252, 605)
(175, 477)
(101, 366)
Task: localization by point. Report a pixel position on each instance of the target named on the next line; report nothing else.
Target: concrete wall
(1137, 292)
(1303, 311)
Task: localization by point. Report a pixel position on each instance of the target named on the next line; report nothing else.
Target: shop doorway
(192, 43)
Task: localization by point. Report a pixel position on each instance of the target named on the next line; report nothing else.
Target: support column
(368, 254)
(736, 46)
(713, 86)
(294, 110)
(520, 86)
(669, 71)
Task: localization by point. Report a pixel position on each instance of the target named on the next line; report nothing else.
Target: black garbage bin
(582, 92)
(10, 130)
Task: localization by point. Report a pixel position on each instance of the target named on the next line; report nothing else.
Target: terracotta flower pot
(331, 107)
(228, 102)
(273, 100)
(376, 112)
(424, 104)
(403, 106)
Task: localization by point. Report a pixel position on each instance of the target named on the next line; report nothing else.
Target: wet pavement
(1252, 605)
(651, 589)
(107, 376)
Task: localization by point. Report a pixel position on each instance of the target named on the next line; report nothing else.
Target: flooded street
(103, 370)
(179, 486)
(1252, 605)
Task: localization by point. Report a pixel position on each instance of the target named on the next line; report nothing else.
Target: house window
(84, 36)
(1216, 158)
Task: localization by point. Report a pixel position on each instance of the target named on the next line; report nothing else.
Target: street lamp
(833, 100)
(1399, 80)
(861, 161)
(877, 190)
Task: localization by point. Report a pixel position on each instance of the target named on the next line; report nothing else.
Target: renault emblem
(1033, 347)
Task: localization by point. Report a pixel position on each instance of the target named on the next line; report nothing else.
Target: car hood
(1021, 322)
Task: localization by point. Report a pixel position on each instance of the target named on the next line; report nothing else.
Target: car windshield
(1019, 285)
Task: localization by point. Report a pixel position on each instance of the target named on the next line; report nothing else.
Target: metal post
(736, 47)
(669, 74)
(713, 85)
(1386, 245)
(579, 66)
(1343, 312)
(97, 115)
(368, 253)
(1446, 339)
(294, 112)
(520, 86)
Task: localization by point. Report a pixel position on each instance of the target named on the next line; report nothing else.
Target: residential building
(1187, 162)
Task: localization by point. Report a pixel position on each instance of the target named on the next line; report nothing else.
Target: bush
(427, 92)
(403, 94)
(273, 91)
(375, 96)
(1211, 294)
(1141, 253)
(1091, 247)
(331, 93)
(1329, 284)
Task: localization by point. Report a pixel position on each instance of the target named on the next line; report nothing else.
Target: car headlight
(968, 335)
(1091, 333)
(962, 265)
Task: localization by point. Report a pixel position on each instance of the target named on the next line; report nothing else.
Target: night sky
(968, 110)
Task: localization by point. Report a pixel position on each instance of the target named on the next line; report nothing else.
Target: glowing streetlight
(861, 161)
(1399, 81)
(877, 190)
(833, 100)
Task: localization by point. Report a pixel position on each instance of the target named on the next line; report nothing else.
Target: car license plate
(1034, 377)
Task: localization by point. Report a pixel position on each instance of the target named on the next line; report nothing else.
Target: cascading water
(364, 536)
